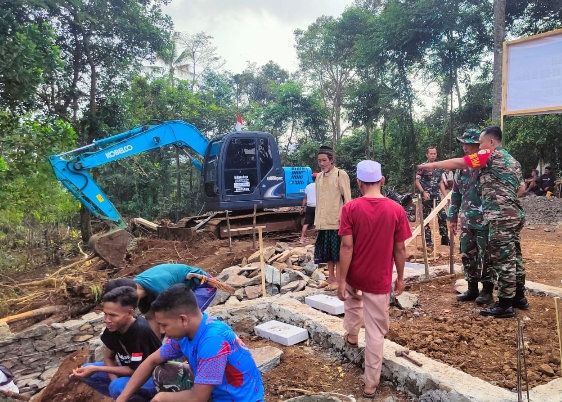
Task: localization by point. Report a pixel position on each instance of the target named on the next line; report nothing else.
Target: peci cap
(369, 171)
(470, 136)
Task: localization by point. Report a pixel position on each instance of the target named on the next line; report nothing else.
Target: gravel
(542, 210)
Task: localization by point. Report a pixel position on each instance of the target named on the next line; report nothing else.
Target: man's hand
(163, 397)
(425, 195)
(453, 228)
(84, 372)
(399, 287)
(302, 210)
(341, 291)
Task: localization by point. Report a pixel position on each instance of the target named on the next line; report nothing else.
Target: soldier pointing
(466, 206)
(502, 183)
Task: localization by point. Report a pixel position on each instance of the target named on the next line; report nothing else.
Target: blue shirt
(218, 357)
(160, 277)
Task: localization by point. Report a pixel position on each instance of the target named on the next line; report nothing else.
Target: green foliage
(28, 187)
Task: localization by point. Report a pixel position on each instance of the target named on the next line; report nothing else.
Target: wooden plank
(146, 224)
(204, 221)
(262, 262)
(243, 229)
(424, 244)
(229, 232)
(254, 228)
(269, 227)
(429, 217)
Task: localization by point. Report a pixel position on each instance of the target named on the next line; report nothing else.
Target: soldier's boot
(520, 301)
(501, 309)
(445, 240)
(486, 295)
(470, 294)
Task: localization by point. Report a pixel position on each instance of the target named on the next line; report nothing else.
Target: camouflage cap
(470, 136)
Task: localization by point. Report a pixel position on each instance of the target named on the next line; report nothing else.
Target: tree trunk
(367, 141)
(499, 35)
(178, 183)
(85, 224)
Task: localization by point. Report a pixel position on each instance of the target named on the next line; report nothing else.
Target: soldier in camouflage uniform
(430, 185)
(467, 204)
(502, 183)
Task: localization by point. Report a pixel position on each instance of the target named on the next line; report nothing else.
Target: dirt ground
(480, 346)
(455, 333)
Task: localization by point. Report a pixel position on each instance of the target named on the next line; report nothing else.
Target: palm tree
(174, 60)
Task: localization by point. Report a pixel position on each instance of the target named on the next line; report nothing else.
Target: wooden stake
(424, 245)
(434, 232)
(556, 299)
(451, 252)
(262, 263)
(229, 235)
(429, 217)
(254, 228)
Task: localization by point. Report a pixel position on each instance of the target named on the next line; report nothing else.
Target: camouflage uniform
(466, 204)
(500, 179)
(430, 182)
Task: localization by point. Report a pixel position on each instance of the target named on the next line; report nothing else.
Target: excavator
(240, 171)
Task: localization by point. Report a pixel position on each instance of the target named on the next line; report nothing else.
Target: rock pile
(287, 269)
(542, 210)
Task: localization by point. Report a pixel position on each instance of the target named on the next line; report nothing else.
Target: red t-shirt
(376, 224)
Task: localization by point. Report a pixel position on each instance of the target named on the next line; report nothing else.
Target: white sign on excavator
(118, 151)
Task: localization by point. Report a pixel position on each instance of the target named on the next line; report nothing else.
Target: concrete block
(329, 304)
(266, 358)
(282, 333)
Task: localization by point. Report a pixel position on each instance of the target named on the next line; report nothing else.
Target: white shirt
(310, 192)
(9, 386)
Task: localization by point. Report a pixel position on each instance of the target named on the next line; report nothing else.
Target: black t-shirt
(133, 346)
(546, 181)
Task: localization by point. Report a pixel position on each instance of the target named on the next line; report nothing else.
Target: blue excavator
(240, 171)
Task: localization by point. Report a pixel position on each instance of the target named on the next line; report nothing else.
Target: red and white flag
(238, 126)
(136, 357)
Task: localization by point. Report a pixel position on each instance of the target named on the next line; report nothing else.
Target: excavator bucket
(111, 246)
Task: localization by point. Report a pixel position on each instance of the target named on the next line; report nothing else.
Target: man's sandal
(346, 339)
(331, 287)
(323, 284)
(369, 396)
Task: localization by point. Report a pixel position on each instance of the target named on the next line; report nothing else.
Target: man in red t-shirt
(373, 230)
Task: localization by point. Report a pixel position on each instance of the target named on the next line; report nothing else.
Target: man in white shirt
(6, 381)
(308, 206)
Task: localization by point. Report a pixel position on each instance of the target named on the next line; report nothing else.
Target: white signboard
(533, 75)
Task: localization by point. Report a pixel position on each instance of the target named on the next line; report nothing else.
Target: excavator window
(211, 183)
(266, 160)
(241, 169)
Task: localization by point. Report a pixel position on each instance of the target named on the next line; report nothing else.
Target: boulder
(310, 267)
(232, 301)
(290, 287)
(239, 281)
(266, 358)
(239, 294)
(228, 272)
(220, 297)
(318, 276)
(406, 300)
(253, 292)
(272, 275)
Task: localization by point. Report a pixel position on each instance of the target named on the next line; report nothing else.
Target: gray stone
(301, 286)
(97, 350)
(81, 338)
(310, 267)
(272, 276)
(63, 340)
(267, 358)
(220, 298)
(34, 332)
(232, 301)
(318, 276)
(74, 324)
(41, 345)
(407, 300)
(93, 317)
(290, 287)
(243, 324)
(228, 272)
(253, 292)
(272, 290)
(5, 331)
(239, 294)
(47, 375)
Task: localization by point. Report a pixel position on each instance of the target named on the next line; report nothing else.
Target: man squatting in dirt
(332, 192)
(150, 283)
(373, 229)
(466, 203)
(431, 186)
(129, 338)
(502, 183)
(222, 365)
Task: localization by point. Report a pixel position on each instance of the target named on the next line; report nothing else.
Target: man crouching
(223, 367)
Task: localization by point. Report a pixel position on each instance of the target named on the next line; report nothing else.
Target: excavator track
(281, 220)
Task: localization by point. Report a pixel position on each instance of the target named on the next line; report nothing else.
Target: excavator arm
(73, 173)
(71, 169)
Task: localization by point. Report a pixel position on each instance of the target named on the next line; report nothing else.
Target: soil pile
(542, 210)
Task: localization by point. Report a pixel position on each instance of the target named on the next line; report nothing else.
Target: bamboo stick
(262, 262)
(424, 245)
(33, 313)
(556, 302)
(434, 232)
